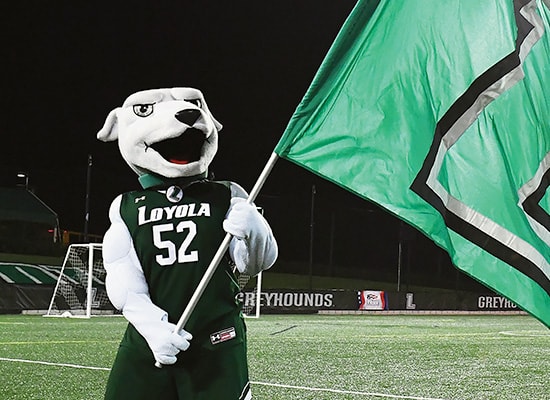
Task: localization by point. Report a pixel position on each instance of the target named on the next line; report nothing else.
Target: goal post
(251, 295)
(251, 290)
(80, 288)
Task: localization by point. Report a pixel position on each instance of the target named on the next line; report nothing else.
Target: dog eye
(196, 102)
(143, 110)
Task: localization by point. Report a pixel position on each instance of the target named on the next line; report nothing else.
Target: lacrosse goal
(80, 288)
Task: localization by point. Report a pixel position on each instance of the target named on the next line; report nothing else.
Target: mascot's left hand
(252, 247)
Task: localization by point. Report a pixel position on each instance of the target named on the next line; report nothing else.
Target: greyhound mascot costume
(160, 242)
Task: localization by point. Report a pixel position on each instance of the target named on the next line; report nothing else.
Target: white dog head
(167, 132)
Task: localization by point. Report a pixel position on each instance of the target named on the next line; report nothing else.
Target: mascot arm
(128, 291)
(253, 247)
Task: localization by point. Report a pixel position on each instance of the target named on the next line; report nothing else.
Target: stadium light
(23, 175)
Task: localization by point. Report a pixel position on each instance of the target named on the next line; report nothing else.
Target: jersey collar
(148, 181)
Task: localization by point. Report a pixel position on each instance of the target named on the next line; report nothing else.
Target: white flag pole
(221, 251)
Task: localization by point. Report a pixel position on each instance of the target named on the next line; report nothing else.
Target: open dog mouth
(183, 149)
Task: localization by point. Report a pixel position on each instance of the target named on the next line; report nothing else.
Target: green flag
(439, 111)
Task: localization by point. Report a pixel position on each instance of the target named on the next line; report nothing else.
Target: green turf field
(306, 357)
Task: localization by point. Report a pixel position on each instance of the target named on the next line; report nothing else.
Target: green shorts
(214, 367)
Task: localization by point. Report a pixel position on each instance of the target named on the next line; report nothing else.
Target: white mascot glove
(166, 344)
(253, 247)
(152, 323)
(241, 218)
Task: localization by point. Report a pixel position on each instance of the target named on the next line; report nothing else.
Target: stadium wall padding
(15, 298)
(294, 301)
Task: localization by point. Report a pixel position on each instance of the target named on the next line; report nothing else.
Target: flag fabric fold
(438, 111)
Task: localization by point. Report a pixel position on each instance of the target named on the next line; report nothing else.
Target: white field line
(54, 364)
(311, 389)
(545, 333)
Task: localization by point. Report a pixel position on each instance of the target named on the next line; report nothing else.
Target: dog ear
(109, 132)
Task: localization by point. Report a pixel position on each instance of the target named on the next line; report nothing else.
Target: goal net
(250, 295)
(80, 288)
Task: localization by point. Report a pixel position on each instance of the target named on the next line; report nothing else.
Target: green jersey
(175, 238)
(175, 242)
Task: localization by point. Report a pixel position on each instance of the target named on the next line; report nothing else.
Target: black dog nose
(188, 117)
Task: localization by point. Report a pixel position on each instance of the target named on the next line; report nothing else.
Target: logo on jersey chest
(156, 214)
(174, 194)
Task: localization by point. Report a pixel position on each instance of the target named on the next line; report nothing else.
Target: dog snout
(188, 117)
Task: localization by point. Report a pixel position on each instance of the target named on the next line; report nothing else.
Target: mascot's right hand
(152, 323)
(166, 344)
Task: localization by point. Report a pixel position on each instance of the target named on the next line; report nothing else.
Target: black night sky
(66, 64)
